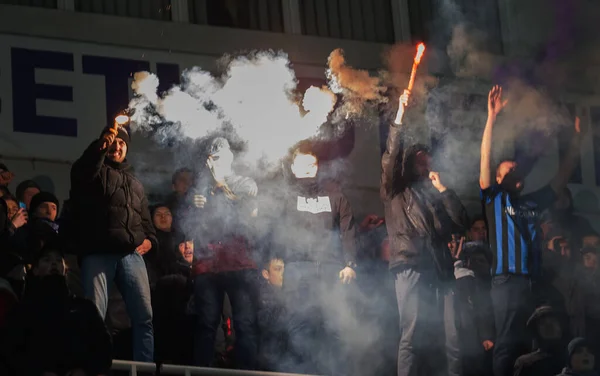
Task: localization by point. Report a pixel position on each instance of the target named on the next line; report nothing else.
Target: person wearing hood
(41, 227)
(25, 192)
(581, 360)
(52, 332)
(226, 211)
(315, 234)
(421, 215)
(548, 331)
(113, 232)
(514, 231)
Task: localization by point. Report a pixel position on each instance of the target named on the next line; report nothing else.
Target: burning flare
(413, 72)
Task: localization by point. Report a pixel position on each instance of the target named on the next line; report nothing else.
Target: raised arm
(393, 148)
(495, 105)
(569, 163)
(88, 165)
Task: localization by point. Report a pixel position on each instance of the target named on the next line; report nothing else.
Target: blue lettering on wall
(116, 74)
(25, 91)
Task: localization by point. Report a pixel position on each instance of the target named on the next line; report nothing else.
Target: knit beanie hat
(122, 133)
(574, 345)
(40, 198)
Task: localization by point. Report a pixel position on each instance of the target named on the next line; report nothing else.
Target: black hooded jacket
(316, 224)
(420, 220)
(110, 209)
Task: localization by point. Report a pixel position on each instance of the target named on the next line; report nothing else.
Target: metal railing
(170, 369)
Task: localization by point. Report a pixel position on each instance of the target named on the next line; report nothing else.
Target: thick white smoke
(255, 96)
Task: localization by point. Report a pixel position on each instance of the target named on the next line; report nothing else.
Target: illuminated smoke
(356, 85)
(255, 96)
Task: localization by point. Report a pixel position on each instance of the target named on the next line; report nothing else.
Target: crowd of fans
(277, 276)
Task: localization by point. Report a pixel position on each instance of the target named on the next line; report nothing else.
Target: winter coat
(317, 224)
(29, 239)
(222, 230)
(110, 208)
(51, 331)
(420, 220)
(272, 320)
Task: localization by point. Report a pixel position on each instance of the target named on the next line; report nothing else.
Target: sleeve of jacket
(148, 225)
(389, 164)
(456, 211)
(87, 167)
(347, 230)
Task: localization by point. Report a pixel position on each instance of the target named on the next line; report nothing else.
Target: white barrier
(171, 369)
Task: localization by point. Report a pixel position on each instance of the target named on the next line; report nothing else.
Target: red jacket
(227, 256)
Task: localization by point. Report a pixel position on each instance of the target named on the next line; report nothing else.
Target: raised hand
(495, 101)
(402, 103)
(437, 183)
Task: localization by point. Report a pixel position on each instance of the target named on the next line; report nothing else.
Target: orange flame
(122, 119)
(420, 51)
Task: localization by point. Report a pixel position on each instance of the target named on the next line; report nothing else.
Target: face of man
(163, 219)
(50, 264)
(47, 210)
(591, 241)
(117, 151)
(478, 231)
(274, 273)
(28, 195)
(305, 166)
(590, 260)
(583, 360)
(422, 164)
(509, 177)
(187, 250)
(549, 328)
(183, 182)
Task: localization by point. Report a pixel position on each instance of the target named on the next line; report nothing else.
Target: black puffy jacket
(110, 211)
(420, 220)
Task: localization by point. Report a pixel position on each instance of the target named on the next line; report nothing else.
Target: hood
(408, 160)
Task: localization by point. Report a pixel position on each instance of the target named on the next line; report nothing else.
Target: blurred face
(47, 210)
(50, 264)
(422, 164)
(478, 232)
(163, 220)
(549, 328)
(274, 274)
(591, 241)
(479, 264)
(117, 151)
(183, 182)
(590, 261)
(583, 360)
(28, 194)
(305, 166)
(13, 208)
(564, 248)
(509, 177)
(187, 250)
(222, 162)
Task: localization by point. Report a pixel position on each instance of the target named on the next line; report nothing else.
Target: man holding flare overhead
(421, 215)
(515, 237)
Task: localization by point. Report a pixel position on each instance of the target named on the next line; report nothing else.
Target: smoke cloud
(255, 98)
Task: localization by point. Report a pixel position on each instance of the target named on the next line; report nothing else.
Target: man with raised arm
(421, 214)
(515, 238)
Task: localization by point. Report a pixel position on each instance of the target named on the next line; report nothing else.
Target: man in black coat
(421, 215)
(114, 230)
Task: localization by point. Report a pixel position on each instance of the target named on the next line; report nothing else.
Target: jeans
(129, 273)
(512, 302)
(319, 318)
(209, 292)
(429, 343)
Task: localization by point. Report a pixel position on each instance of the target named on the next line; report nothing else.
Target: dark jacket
(222, 230)
(569, 372)
(420, 220)
(272, 325)
(54, 332)
(317, 224)
(109, 204)
(29, 239)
